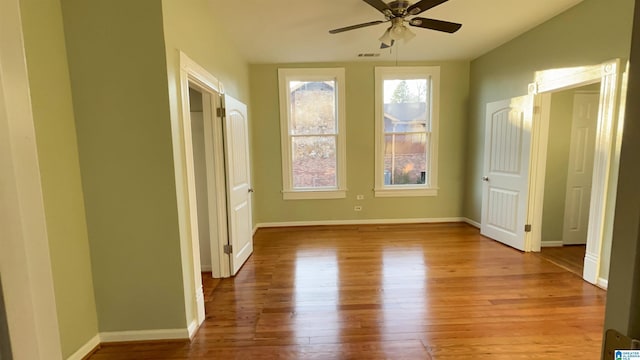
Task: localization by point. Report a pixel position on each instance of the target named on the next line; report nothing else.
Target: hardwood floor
(570, 257)
(436, 291)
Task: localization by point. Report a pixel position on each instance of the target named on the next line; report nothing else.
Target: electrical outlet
(359, 197)
(357, 208)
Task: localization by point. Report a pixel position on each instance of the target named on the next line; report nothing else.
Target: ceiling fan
(397, 12)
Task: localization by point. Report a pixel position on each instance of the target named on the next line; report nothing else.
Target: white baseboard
(603, 283)
(551, 243)
(86, 348)
(590, 272)
(472, 222)
(193, 328)
(360, 222)
(255, 228)
(205, 268)
(141, 335)
(145, 335)
(200, 305)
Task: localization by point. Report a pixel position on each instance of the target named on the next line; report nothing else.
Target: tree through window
(313, 132)
(406, 142)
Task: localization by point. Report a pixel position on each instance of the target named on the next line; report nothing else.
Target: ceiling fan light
(386, 38)
(408, 35)
(401, 32)
(397, 32)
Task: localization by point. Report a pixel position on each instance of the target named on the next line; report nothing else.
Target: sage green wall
(623, 294)
(118, 75)
(60, 172)
(555, 184)
(569, 39)
(360, 104)
(589, 33)
(191, 27)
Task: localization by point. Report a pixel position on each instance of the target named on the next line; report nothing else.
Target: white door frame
(548, 81)
(25, 264)
(194, 75)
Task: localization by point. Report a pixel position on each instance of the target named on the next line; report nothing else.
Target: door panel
(506, 169)
(238, 182)
(503, 204)
(580, 172)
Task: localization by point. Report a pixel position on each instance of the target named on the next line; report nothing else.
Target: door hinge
(221, 112)
(228, 249)
(527, 228)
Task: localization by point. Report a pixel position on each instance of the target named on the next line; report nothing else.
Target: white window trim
(386, 72)
(288, 192)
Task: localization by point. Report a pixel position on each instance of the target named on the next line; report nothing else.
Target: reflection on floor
(570, 257)
(436, 291)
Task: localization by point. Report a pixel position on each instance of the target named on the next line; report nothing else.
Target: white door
(580, 172)
(238, 182)
(506, 170)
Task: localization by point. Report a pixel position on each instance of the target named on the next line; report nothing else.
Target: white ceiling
(287, 31)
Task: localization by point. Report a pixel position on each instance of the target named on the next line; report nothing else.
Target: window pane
(314, 161)
(405, 159)
(313, 107)
(405, 105)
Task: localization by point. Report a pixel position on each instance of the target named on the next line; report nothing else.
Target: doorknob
(250, 190)
(485, 178)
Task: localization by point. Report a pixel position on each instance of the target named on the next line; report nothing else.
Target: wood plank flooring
(570, 257)
(433, 291)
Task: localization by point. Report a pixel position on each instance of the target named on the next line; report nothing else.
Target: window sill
(400, 192)
(314, 194)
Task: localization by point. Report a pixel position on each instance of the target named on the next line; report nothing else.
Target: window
(406, 131)
(313, 136)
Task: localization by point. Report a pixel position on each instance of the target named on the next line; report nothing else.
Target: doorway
(514, 189)
(213, 175)
(569, 170)
(200, 171)
(599, 223)
(206, 215)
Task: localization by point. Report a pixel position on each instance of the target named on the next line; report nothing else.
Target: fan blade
(353, 27)
(380, 5)
(423, 5)
(433, 24)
